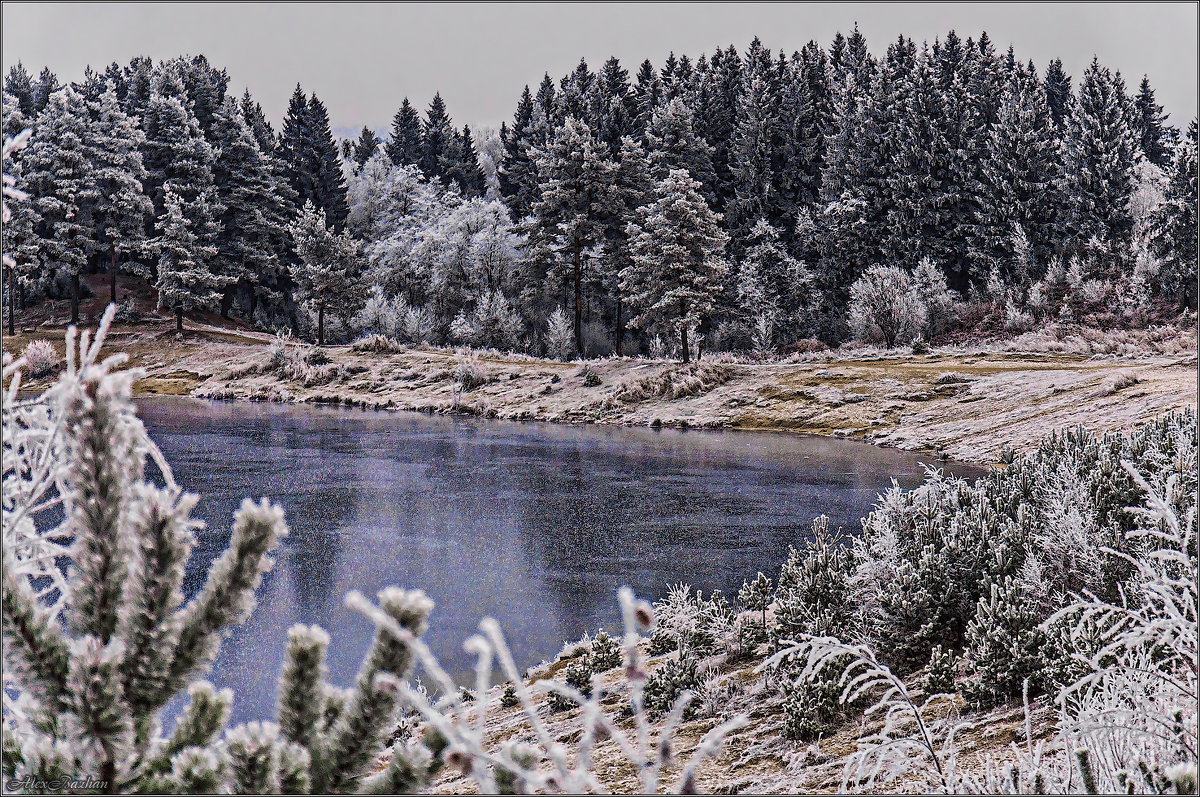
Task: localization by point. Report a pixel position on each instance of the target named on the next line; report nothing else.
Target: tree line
(739, 200)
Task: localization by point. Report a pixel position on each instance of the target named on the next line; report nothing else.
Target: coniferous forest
(829, 194)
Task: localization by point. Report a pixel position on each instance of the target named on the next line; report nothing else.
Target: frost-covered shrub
(675, 676)
(605, 654)
(377, 344)
(941, 671)
(689, 622)
(492, 323)
(40, 358)
(590, 377)
(814, 596)
(1006, 646)
(467, 374)
(381, 315)
(597, 339)
(674, 382)
(885, 306)
(939, 301)
(560, 336)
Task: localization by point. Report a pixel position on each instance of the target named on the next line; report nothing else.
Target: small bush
(40, 358)
(590, 377)
(675, 676)
(377, 343)
(940, 672)
(606, 653)
(509, 698)
(1124, 381)
(467, 372)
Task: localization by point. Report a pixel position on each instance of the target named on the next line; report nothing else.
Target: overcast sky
(362, 59)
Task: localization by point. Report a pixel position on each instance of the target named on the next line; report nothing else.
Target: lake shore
(965, 403)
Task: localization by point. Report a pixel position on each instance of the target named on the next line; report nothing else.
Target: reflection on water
(536, 525)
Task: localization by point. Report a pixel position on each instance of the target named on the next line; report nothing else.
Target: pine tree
(188, 278)
(120, 209)
(717, 115)
(771, 284)
(633, 188)
(366, 146)
(612, 104)
(45, 86)
(253, 214)
(438, 139)
(577, 197)
(138, 78)
(677, 265)
(60, 178)
(21, 243)
(404, 146)
(295, 147)
(647, 95)
(329, 274)
(755, 596)
(1149, 127)
(516, 169)
(264, 134)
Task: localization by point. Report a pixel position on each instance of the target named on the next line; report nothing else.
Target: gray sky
(361, 59)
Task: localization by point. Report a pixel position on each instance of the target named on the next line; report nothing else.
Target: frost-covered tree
(752, 153)
(254, 214)
(438, 139)
(577, 197)
(310, 157)
(189, 277)
(672, 142)
(1174, 225)
(884, 305)
(119, 208)
(175, 152)
(59, 176)
(771, 284)
(1097, 163)
(677, 264)
(329, 274)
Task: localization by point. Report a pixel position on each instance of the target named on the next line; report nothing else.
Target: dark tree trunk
(578, 297)
(687, 355)
(321, 325)
(21, 291)
(12, 303)
(75, 298)
(620, 329)
(112, 274)
(179, 319)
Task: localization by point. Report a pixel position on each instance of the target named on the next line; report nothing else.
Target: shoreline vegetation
(971, 402)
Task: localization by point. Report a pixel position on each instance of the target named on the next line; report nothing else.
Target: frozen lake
(536, 525)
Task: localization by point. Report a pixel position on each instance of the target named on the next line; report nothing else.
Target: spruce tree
(647, 95)
(612, 104)
(516, 171)
(329, 271)
(119, 209)
(188, 277)
(1149, 127)
(1018, 178)
(1097, 163)
(329, 186)
(20, 85)
(438, 139)
(753, 153)
(138, 78)
(21, 243)
(264, 134)
(296, 148)
(772, 284)
(366, 146)
(1174, 235)
(462, 165)
(677, 264)
(718, 117)
(252, 214)
(577, 197)
(404, 146)
(672, 142)
(60, 178)
(1058, 92)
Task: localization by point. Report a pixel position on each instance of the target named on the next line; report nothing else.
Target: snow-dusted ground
(966, 404)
